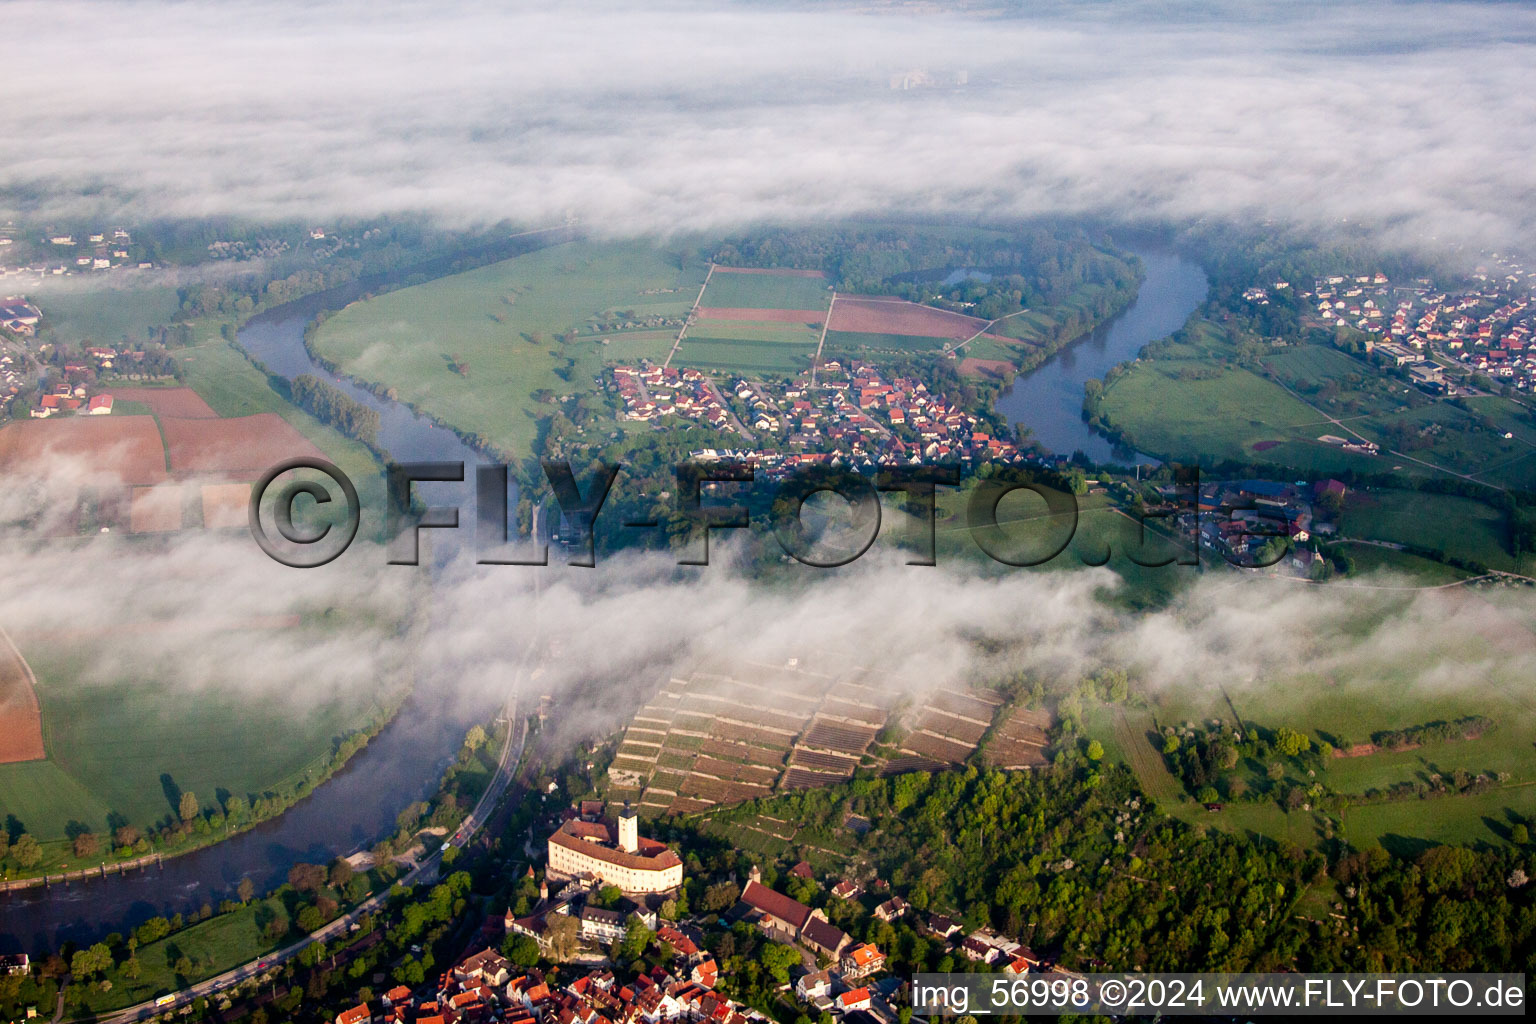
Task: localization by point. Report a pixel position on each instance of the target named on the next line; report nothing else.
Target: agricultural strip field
(508, 327)
(757, 313)
(729, 288)
(852, 341)
(884, 316)
(714, 739)
(748, 330)
(129, 447)
(745, 356)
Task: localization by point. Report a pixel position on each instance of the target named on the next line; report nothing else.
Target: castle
(586, 846)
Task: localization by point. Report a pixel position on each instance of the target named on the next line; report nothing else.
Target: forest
(1030, 266)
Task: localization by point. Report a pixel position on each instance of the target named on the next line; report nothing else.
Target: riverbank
(64, 865)
(1049, 401)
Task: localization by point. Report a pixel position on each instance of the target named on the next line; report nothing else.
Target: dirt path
(816, 359)
(688, 320)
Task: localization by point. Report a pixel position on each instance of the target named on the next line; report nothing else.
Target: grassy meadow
(1347, 704)
(766, 291)
(127, 748)
(509, 323)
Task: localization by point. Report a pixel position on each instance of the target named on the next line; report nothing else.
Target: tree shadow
(172, 791)
(1406, 847)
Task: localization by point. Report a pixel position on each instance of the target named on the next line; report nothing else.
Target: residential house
(359, 1014)
(862, 960)
(853, 999)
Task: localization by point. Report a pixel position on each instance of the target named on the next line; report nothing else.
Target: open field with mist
(129, 747)
(1350, 705)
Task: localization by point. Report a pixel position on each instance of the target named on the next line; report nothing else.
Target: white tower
(629, 830)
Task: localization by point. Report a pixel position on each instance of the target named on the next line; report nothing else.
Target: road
(821, 341)
(688, 320)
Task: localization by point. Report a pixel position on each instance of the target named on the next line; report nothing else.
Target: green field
(506, 322)
(1376, 688)
(1460, 527)
(108, 316)
(1370, 559)
(125, 747)
(743, 356)
(766, 291)
(109, 745)
(853, 341)
(755, 330)
(1031, 531)
(214, 945)
(1183, 409)
(1302, 365)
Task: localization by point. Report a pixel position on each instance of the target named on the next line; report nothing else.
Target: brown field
(995, 368)
(873, 315)
(782, 316)
(962, 729)
(903, 765)
(155, 509)
(799, 778)
(21, 719)
(938, 748)
(818, 761)
(181, 403)
(1020, 741)
(247, 446)
(974, 704)
(224, 506)
(770, 271)
(839, 736)
(126, 447)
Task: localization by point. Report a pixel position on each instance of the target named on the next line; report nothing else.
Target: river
(402, 764)
(359, 804)
(1049, 401)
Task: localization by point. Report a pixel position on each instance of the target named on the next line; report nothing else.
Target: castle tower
(629, 830)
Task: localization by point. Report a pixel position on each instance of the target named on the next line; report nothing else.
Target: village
(1485, 328)
(839, 415)
(594, 910)
(60, 254)
(1262, 523)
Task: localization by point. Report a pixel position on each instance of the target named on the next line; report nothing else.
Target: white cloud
(639, 119)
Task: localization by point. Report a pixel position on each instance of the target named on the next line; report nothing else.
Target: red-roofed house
(862, 960)
(853, 999)
(359, 1014)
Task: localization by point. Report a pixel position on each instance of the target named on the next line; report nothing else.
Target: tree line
(331, 405)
